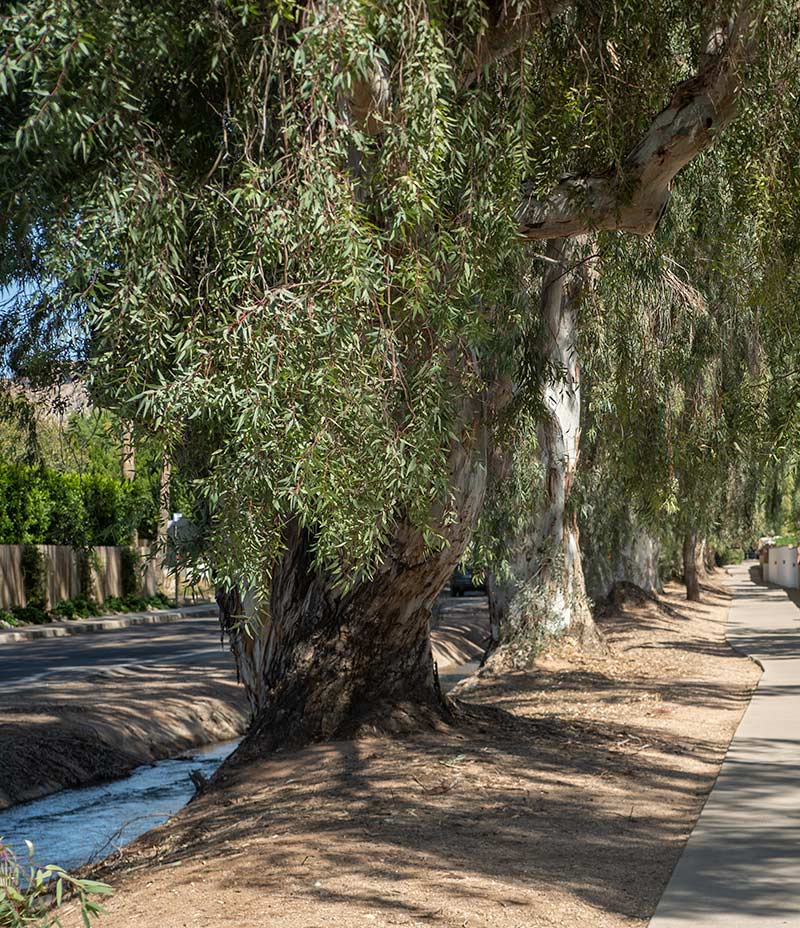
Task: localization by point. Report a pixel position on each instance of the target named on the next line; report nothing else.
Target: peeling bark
(633, 197)
(556, 540)
(546, 594)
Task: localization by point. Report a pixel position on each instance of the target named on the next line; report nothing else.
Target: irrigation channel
(75, 826)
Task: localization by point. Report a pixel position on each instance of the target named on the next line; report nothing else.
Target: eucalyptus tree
(686, 342)
(537, 583)
(293, 230)
(675, 413)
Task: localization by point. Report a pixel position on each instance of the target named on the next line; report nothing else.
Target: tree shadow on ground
(368, 817)
(501, 798)
(496, 816)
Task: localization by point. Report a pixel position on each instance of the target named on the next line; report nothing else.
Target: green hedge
(82, 608)
(42, 506)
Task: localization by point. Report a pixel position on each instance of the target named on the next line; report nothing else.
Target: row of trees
(350, 262)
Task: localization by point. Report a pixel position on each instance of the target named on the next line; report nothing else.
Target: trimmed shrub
(78, 608)
(29, 615)
(130, 571)
(7, 618)
(42, 506)
(34, 576)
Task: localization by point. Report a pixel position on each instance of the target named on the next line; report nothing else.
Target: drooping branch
(633, 196)
(508, 29)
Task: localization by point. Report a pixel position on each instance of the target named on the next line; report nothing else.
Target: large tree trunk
(690, 572)
(557, 549)
(622, 552)
(323, 663)
(558, 540)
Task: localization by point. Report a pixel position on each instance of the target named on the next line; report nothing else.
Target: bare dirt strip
(563, 797)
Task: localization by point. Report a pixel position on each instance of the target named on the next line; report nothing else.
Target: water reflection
(77, 825)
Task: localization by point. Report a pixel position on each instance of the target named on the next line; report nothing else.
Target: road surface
(458, 645)
(189, 641)
(741, 865)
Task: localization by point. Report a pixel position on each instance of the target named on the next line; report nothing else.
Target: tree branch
(633, 197)
(507, 30)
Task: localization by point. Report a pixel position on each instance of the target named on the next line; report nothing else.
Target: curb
(105, 624)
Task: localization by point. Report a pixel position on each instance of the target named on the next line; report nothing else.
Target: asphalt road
(189, 641)
(196, 642)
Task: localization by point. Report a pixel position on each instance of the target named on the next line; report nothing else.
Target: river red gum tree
(291, 227)
(323, 662)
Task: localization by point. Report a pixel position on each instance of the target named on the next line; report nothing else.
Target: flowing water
(75, 826)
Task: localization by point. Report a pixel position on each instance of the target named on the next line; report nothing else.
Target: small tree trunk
(164, 516)
(128, 453)
(129, 468)
(497, 594)
(164, 513)
(690, 573)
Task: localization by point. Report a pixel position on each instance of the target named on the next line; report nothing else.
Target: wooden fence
(62, 573)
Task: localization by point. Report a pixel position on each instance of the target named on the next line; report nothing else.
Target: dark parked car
(463, 582)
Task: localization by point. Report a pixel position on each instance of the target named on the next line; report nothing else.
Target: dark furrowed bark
(690, 572)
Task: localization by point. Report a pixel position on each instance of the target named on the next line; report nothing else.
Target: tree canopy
(289, 240)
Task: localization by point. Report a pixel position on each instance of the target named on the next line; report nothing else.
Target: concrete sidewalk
(741, 865)
(105, 623)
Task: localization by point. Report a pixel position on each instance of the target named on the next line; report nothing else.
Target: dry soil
(563, 797)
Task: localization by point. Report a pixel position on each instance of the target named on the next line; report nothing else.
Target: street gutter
(106, 623)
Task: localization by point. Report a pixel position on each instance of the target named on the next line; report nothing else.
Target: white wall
(783, 569)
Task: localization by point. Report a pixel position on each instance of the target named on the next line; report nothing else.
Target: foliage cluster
(283, 239)
(728, 555)
(28, 891)
(287, 233)
(43, 506)
(789, 539)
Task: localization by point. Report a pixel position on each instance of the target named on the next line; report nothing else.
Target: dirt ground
(75, 732)
(563, 797)
(66, 732)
